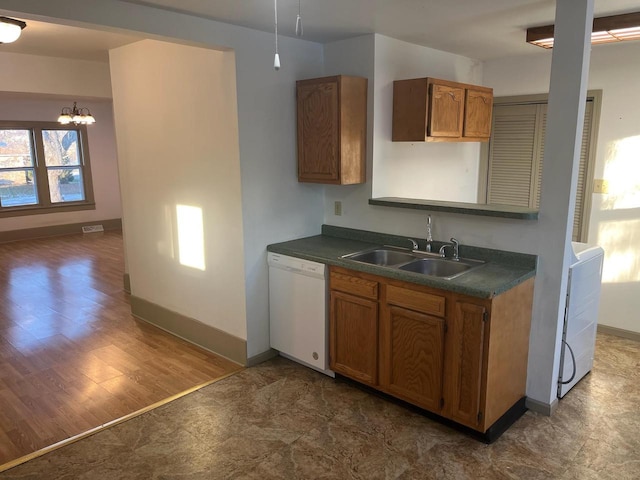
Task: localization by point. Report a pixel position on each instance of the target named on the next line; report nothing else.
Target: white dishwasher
(299, 326)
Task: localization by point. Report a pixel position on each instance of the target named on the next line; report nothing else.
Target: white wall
(437, 171)
(614, 222)
(102, 153)
(275, 207)
(442, 171)
(177, 132)
(352, 57)
(50, 75)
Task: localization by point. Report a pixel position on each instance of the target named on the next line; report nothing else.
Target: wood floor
(72, 357)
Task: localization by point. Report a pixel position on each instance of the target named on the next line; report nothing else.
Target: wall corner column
(567, 97)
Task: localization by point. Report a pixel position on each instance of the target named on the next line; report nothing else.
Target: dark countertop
(503, 270)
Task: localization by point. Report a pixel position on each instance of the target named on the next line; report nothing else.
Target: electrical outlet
(337, 208)
(600, 186)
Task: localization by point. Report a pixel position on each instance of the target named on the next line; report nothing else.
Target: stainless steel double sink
(413, 261)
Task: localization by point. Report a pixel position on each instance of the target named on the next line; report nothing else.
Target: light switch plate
(337, 208)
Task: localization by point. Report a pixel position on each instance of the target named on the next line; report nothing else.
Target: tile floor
(279, 420)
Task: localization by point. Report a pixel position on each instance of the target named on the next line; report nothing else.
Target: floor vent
(92, 228)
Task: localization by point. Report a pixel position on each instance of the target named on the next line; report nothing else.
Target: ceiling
(49, 39)
(476, 29)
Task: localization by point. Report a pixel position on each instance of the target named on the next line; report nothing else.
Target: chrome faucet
(429, 235)
(455, 245)
(414, 244)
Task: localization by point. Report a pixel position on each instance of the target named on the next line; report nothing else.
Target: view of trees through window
(25, 178)
(62, 158)
(17, 169)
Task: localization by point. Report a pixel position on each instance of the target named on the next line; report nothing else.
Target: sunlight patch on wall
(622, 171)
(190, 236)
(620, 240)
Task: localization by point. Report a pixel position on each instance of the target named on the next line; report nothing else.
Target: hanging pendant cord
(299, 29)
(275, 8)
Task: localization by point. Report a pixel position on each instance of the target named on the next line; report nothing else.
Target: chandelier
(78, 116)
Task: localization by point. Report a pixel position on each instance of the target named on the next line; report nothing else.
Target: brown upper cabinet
(432, 110)
(332, 129)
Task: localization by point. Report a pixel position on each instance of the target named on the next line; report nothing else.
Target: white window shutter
(511, 155)
(516, 154)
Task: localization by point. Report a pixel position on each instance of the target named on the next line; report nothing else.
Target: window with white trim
(44, 167)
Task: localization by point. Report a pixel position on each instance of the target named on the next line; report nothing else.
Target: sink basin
(414, 261)
(438, 267)
(382, 256)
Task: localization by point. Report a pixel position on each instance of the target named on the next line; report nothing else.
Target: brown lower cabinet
(412, 356)
(460, 357)
(354, 337)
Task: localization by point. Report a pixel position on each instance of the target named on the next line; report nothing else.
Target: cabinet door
(446, 111)
(412, 356)
(409, 122)
(318, 132)
(477, 114)
(464, 364)
(354, 337)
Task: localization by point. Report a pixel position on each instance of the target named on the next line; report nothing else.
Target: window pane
(65, 185)
(17, 188)
(61, 147)
(15, 149)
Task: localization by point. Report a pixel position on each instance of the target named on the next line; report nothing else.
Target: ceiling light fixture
(10, 29)
(78, 116)
(615, 28)
(276, 59)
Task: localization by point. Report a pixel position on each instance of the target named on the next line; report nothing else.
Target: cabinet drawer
(414, 300)
(354, 285)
